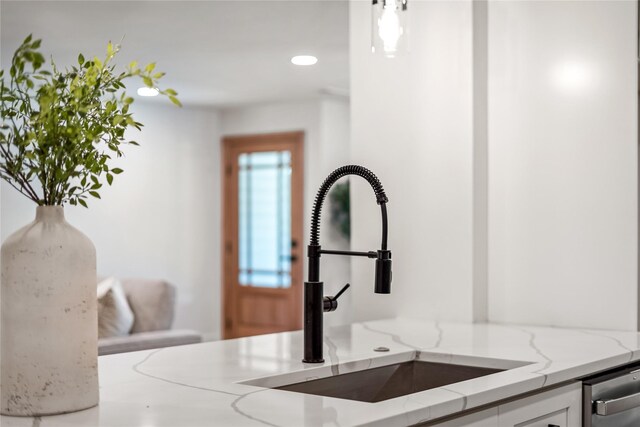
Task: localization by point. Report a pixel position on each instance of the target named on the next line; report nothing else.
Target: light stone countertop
(200, 384)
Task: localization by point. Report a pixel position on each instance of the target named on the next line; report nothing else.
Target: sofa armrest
(147, 341)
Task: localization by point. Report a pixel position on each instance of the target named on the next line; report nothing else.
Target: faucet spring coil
(361, 171)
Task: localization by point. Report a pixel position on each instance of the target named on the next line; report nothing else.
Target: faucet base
(313, 311)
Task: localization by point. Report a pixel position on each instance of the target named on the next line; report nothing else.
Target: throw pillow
(115, 317)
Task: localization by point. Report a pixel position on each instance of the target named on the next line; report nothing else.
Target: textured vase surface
(49, 331)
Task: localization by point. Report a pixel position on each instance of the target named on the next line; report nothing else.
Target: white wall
(507, 142)
(563, 163)
(412, 126)
(325, 122)
(161, 218)
(560, 160)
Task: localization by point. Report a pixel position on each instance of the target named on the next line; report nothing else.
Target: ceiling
(216, 53)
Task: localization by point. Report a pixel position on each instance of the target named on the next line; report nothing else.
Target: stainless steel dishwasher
(612, 399)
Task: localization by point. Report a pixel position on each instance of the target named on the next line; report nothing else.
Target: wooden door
(262, 233)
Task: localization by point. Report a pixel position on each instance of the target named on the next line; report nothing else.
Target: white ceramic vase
(49, 331)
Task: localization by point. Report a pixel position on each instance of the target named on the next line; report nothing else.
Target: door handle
(614, 406)
(293, 258)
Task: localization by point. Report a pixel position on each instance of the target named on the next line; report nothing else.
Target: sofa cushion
(147, 340)
(115, 317)
(152, 302)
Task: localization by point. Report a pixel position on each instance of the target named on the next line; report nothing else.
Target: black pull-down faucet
(315, 303)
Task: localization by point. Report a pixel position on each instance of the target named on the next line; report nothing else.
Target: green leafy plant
(61, 129)
(341, 208)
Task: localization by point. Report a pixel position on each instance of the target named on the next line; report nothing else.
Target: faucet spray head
(383, 272)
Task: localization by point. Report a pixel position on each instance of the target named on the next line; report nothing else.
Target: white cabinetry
(560, 407)
(486, 418)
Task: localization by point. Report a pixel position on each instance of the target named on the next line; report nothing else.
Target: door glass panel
(264, 208)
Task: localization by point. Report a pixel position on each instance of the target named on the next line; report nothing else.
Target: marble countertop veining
(206, 384)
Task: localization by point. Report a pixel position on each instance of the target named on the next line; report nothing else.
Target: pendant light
(389, 27)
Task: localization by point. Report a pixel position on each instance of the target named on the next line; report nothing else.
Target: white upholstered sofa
(152, 303)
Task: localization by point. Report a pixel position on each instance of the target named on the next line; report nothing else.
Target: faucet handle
(344, 288)
(331, 303)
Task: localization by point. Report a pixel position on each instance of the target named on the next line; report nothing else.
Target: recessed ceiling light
(304, 60)
(148, 91)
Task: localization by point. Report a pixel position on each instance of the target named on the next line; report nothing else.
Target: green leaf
(83, 203)
(117, 171)
(109, 178)
(175, 101)
(94, 194)
(150, 67)
(80, 59)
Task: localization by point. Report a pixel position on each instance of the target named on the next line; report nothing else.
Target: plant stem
(22, 189)
(22, 192)
(20, 178)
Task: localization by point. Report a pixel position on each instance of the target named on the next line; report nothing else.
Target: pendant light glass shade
(389, 27)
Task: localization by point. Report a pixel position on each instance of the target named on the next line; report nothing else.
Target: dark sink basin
(387, 382)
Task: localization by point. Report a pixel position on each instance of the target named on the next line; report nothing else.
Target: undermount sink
(393, 375)
(387, 382)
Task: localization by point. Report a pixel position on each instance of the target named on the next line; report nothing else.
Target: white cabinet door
(486, 418)
(560, 407)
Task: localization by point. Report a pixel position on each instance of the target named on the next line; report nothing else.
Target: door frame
(231, 147)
